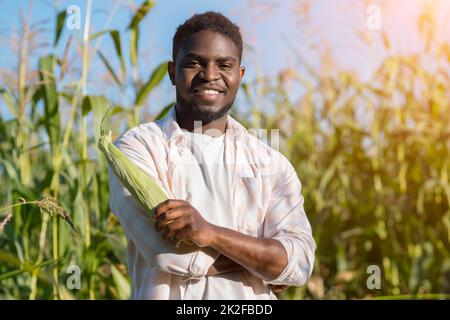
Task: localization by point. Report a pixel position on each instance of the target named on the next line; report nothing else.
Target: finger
(173, 214)
(182, 236)
(176, 226)
(169, 216)
(166, 205)
(279, 288)
(165, 233)
(274, 288)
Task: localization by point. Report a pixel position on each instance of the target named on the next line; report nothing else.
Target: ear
(241, 73)
(171, 71)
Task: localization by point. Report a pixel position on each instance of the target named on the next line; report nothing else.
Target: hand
(222, 265)
(278, 288)
(178, 221)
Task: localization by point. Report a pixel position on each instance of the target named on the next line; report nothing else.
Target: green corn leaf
(9, 101)
(141, 13)
(60, 18)
(134, 40)
(165, 111)
(97, 105)
(115, 35)
(154, 80)
(109, 67)
(122, 284)
(98, 34)
(51, 104)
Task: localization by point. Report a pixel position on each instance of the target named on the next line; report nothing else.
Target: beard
(192, 111)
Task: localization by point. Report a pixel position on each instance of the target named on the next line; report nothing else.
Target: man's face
(206, 74)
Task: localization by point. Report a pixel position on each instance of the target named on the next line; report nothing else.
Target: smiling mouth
(207, 91)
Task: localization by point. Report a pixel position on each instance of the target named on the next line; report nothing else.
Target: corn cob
(141, 185)
(145, 190)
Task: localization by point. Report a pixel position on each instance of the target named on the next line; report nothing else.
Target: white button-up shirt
(265, 201)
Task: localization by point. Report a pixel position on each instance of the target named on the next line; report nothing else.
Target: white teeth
(208, 91)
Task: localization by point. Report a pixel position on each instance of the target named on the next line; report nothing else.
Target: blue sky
(274, 29)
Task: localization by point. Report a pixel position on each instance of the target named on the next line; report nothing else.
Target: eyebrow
(196, 56)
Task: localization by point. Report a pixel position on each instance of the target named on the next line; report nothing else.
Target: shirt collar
(172, 130)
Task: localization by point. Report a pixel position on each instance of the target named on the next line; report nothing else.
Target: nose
(209, 73)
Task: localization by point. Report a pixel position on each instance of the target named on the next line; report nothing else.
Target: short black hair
(211, 21)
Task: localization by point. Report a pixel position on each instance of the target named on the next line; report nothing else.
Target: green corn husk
(141, 185)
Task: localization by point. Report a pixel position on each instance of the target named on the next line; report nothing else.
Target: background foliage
(373, 157)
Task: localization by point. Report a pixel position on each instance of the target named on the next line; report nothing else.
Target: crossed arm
(178, 221)
(284, 256)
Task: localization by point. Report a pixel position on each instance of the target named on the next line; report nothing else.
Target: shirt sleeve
(286, 221)
(139, 228)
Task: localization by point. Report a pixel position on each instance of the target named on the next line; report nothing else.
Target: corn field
(373, 157)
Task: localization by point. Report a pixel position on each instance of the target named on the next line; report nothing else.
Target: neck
(213, 128)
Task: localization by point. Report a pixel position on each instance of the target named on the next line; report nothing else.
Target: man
(236, 200)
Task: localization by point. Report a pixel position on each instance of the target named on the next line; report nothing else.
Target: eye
(191, 64)
(225, 66)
